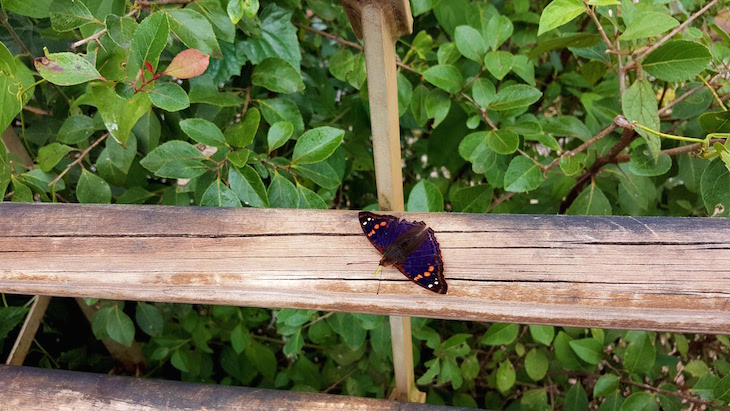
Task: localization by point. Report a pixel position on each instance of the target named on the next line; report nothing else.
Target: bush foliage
(596, 107)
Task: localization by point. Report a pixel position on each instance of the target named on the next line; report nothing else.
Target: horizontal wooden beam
(670, 274)
(26, 388)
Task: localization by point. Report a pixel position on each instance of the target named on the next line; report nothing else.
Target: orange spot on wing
(383, 224)
(430, 268)
(418, 277)
(377, 226)
(426, 274)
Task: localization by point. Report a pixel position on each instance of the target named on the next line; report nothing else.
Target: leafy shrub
(602, 107)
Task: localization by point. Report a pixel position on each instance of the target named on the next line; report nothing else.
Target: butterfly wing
(380, 229)
(425, 267)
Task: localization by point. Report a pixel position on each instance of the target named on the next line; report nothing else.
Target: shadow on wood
(26, 388)
(670, 274)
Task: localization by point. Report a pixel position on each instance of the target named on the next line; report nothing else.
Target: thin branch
(96, 36)
(714, 93)
(13, 34)
(665, 110)
(330, 36)
(671, 34)
(673, 151)
(36, 110)
(147, 3)
(583, 147)
(78, 160)
(499, 200)
(591, 12)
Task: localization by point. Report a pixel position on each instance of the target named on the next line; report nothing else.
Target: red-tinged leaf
(148, 67)
(188, 64)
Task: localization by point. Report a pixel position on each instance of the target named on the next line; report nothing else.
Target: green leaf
(202, 90)
(40, 180)
(341, 64)
(223, 27)
(262, 358)
(434, 369)
(149, 319)
(501, 334)
(470, 43)
(536, 364)
(168, 152)
(310, 199)
(705, 387)
(5, 170)
(277, 75)
(648, 24)
(677, 60)
(278, 38)
(282, 109)
(169, 96)
(640, 354)
(591, 201)
(425, 197)
(640, 105)
(66, 69)
(543, 334)
(450, 372)
(606, 385)
(203, 131)
(474, 199)
(565, 354)
(640, 401)
(524, 68)
(573, 165)
(75, 129)
(499, 63)
(558, 13)
(119, 327)
(150, 38)
(242, 134)
(576, 398)
(182, 169)
(121, 30)
(248, 186)
(240, 338)
(405, 93)
(418, 105)
(219, 195)
(438, 104)
(317, 145)
(120, 114)
(722, 389)
(503, 141)
(643, 163)
(589, 350)
(506, 376)
(320, 173)
(279, 133)
(282, 193)
(347, 327)
(483, 92)
(11, 317)
(498, 30)
(68, 15)
(93, 189)
(50, 155)
(194, 30)
(717, 122)
(534, 400)
(445, 77)
(239, 158)
(713, 187)
(515, 96)
(522, 175)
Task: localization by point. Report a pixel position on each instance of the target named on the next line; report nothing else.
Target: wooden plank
(26, 388)
(27, 332)
(382, 23)
(649, 273)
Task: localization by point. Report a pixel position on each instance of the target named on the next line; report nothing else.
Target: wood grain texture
(28, 331)
(398, 13)
(28, 389)
(669, 274)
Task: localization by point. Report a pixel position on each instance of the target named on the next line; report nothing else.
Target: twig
(603, 133)
(246, 102)
(96, 36)
(499, 200)
(714, 93)
(147, 3)
(78, 160)
(673, 151)
(665, 110)
(591, 12)
(36, 110)
(13, 34)
(330, 36)
(318, 319)
(671, 34)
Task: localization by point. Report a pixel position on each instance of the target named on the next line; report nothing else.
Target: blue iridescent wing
(425, 267)
(380, 229)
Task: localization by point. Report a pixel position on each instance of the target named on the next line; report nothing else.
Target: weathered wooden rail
(42, 389)
(611, 272)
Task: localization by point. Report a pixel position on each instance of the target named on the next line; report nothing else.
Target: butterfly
(409, 246)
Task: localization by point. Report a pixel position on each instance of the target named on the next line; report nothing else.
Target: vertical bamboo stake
(380, 23)
(27, 333)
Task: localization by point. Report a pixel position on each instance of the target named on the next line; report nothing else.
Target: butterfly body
(411, 247)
